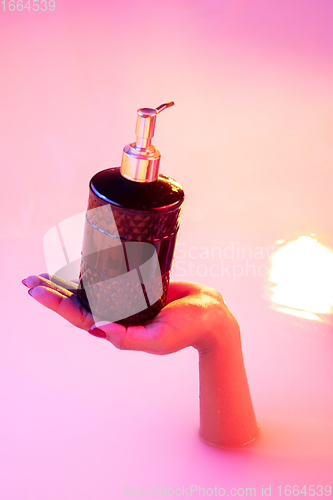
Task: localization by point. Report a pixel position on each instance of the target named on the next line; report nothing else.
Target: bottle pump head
(141, 160)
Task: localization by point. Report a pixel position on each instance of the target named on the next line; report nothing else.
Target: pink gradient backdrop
(251, 141)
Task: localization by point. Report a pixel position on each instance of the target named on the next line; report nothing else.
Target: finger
(58, 284)
(113, 332)
(150, 337)
(66, 306)
(174, 328)
(68, 284)
(180, 289)
(132, 338)
(32, 281)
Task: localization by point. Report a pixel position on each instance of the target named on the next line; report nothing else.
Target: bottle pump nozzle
(141, 160)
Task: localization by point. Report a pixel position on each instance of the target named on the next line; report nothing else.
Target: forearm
(227, 416)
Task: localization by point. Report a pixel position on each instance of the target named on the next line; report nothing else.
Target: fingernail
(30, 292)
(24, 282)
(97, 333)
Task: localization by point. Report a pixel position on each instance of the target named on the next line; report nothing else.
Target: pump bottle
(131, 228)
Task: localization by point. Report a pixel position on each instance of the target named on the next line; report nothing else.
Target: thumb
(109, 331)
(148, 338)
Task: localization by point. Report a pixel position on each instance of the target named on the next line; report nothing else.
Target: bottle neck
(140, 163)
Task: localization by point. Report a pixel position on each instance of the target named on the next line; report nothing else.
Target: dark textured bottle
(131, 228)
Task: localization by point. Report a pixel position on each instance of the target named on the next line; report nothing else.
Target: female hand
(195, 315)
(190, 317)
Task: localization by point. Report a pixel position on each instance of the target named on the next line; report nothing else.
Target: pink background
(251, 141)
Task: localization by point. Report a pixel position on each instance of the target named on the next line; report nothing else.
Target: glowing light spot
(278, 242)
(303, 273)
(300, 314)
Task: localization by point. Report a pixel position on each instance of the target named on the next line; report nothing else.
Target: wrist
(220, 332)
(227, 416)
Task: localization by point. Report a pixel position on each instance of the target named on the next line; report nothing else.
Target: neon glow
(303, 273)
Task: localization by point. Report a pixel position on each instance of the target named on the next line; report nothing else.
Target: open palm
(195, 315)
(185, 321)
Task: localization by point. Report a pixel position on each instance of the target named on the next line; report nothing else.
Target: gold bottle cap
(140, 162)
